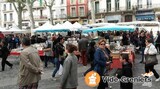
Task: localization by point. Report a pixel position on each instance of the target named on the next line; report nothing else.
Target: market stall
(122, 50)
(110, 28)
(47, 27)
(17, 51)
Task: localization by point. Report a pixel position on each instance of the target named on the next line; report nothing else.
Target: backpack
(48, 44)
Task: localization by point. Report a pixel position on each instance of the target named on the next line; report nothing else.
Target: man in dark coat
(82, 45)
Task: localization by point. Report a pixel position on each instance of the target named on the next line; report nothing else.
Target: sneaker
(150, 74)
(146, 74)
(54, 79)
(158, 79)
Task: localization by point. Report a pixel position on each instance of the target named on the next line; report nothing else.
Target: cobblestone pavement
(8, 78)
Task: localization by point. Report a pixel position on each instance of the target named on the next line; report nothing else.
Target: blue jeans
(57, 63)
(48, 58)
(142, 49)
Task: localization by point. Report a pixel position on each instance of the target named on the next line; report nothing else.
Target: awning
(110, 28)
(145, 17)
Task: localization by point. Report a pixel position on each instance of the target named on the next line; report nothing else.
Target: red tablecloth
(41, 53)
(117, 64)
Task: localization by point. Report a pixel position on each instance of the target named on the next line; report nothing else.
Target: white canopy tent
(78, 26)
(67, 25)
(2, 29)
(15, 29)
(47, 27)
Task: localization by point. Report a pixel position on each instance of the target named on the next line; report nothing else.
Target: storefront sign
(146, 15)
(113, 18)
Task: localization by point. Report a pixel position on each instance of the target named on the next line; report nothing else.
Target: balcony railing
(9, 21)
(63, 16)
(60, 16)
(36, 17)
(144, 7)
(82, 14)
(73, 15)
(6, 11)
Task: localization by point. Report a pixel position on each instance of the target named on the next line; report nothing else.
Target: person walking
(150, 50)
(82, 45)
(142, 45)
(157, 42)
(90, 56)
(59, 55)
(4, 55)
(48, 52)
(69, 78)
(30, 66)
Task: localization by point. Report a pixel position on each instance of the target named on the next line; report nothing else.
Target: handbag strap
(148, 50)
(105, 54)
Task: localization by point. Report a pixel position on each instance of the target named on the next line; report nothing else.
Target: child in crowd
(126, 72)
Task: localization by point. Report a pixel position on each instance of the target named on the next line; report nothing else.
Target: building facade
(8, 15)
(40, 15)
(77, 11)
(60, 11)
(115, 11)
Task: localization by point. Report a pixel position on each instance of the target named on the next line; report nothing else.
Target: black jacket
(158, 39)
(142, 41)
(126, 72)
(4, 52)
(59, 50)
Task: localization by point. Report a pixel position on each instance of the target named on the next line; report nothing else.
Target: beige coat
(30, 66)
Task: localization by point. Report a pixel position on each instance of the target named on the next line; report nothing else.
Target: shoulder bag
(150, 59)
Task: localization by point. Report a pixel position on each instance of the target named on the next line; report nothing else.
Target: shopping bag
(60, 70)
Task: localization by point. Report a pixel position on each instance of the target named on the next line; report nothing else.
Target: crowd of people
(88, 51)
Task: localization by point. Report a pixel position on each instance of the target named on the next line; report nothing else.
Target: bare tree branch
(45, 2)
(15, 7)
(52, 3)
(32, 2)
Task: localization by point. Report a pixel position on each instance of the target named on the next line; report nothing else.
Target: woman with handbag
(101, 58)
(150, 58)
